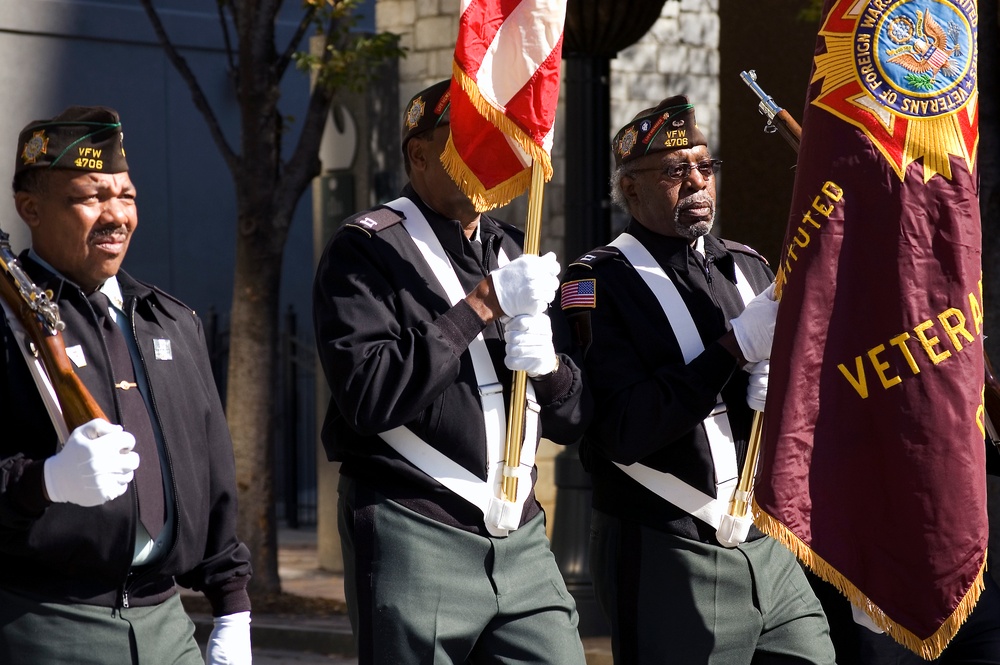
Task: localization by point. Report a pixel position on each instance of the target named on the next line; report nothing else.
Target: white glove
(754, 327)
(757, 389)
(95, 466)
(529, 344)
(229, 643)
(527, 284)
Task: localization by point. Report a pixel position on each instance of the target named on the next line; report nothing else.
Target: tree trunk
(251, 395)
(267, 191)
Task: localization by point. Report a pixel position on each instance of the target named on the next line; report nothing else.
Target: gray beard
(694, 231)
(698, 229)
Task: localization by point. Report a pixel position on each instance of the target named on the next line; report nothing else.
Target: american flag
(504, 93)
(579, 293)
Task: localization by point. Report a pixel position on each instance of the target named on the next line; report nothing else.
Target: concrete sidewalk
(279, 639)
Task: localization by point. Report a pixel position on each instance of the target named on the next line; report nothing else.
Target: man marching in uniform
(98, 526)
(413, 304)
(675, 326)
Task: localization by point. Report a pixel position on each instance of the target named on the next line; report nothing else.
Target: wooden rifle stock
(40, 318)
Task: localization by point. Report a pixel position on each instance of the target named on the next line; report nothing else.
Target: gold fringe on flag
(486, 199)
(483, 199)
(928, 648)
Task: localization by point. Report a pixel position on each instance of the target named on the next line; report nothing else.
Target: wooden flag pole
(744, 488)
(740, 503)
(778, 119)
(518, 393)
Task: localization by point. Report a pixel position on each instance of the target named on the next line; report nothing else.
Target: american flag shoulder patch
(579, 293)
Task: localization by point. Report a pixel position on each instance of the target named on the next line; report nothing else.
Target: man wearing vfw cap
(98, 529)
(675, 329)
(422, 308)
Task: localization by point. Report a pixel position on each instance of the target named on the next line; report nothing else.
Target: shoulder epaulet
(373, 221)
(743, 249)
(161, 294)
(596, 256)
(581, 294)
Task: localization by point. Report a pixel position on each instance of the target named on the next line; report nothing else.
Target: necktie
(135, 419)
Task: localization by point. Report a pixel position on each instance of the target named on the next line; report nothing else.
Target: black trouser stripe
(364, 554)
(629, 547)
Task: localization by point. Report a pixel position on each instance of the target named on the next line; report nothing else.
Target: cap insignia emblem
(415, 113)
(37, 145)
(628, 141)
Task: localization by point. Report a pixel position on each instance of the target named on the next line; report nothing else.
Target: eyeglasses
(682, 170)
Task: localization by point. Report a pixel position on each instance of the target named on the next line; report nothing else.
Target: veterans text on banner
(872, 468)
(504, 93)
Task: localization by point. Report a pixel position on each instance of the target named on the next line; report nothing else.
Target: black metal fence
(295, 422)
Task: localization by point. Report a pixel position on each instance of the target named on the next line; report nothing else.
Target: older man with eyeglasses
(674, 327)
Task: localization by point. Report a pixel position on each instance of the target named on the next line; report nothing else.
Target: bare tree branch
(197, 95)
(267, 12)
(282, 63)
(256, 32)
(304, 164)
(224, 24)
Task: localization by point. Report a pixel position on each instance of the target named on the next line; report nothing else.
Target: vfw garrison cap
(81, 138)
(670, 125)
(428, 109)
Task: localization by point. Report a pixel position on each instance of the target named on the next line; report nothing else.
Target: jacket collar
(449, 231)
(677, 253)
(48, 279)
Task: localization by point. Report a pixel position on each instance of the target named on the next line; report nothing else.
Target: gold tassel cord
(482, 198)
(927, 648)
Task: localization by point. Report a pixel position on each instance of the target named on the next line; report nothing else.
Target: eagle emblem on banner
(904, 73)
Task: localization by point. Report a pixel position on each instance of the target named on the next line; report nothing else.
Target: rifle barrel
(778, 119)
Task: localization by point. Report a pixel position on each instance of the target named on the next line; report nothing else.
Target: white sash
(500, 516)
(38, 373)
(713, 511)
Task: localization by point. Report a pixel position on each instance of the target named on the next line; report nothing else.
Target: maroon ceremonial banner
(872, 465)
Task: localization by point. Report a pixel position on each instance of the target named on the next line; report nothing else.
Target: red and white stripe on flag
(504, 93)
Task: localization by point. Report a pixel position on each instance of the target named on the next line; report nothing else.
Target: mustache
(696, 199)
(107, 231)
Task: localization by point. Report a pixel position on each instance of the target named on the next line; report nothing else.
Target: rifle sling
(45, 389)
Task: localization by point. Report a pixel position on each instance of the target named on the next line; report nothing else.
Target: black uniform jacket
(648, 405)
(395, 352)
(68, 553)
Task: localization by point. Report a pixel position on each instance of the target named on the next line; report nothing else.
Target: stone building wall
(679, 55)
